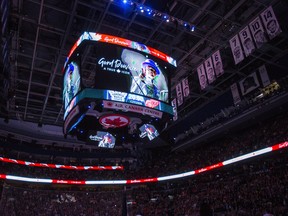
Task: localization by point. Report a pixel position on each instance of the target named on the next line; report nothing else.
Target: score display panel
(128, 77)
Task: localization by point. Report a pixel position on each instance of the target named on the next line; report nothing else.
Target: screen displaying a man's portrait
(107, 140)
(126, 70)
(71, 83)
(148, 130)
(150, 81)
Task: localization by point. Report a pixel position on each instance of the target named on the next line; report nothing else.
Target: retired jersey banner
(236, 49)
(202, 76)
(249, 83)
(270, 23)
(174, 105)
(235, 93)
(179, 94)
(258, 32)
(247, 41)
(217, 62)
(209, 70)
(264, 76)
(185, 87)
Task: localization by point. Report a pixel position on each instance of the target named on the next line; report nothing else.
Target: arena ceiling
(42, 32)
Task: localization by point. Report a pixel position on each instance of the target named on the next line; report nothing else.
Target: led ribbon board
(147, 180)
(149, 106)
(59, 166)
(104, 38)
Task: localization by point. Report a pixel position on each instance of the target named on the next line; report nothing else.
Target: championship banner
(209, 70)
(270, 23)
(236, 49)
(202, 76)
(257, 31)
(185, 87)
(217, 62)
(235, 93)
(264, 76)
(132, 108)
(249, 84)
(179, 94)
(174, 105)
(247, 41)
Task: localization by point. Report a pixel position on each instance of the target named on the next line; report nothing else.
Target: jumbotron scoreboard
(129, 97)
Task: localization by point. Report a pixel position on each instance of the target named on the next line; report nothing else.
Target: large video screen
(127, 76)
(104, 139)
(148, 130)
(127, 70)
(71, 82)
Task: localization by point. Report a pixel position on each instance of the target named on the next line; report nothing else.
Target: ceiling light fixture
(142, 8)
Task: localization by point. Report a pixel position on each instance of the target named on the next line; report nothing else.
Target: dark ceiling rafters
(46, 30)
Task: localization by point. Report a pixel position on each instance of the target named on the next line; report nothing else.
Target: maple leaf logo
(114, 121)
(117, 122)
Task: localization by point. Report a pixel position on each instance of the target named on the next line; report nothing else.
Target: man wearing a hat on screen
(70, 84)
(147, 83)
(106, 141)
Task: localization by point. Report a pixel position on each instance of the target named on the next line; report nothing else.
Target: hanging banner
(185, 87)
(202, 76)
(270, 23)
(236, 49)
(264, 76)
(235, 94)
(209, 70)
(258, 33)
(217, 62)
(174, 105)
(247, 41)
(249, 84)
(179, 94)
